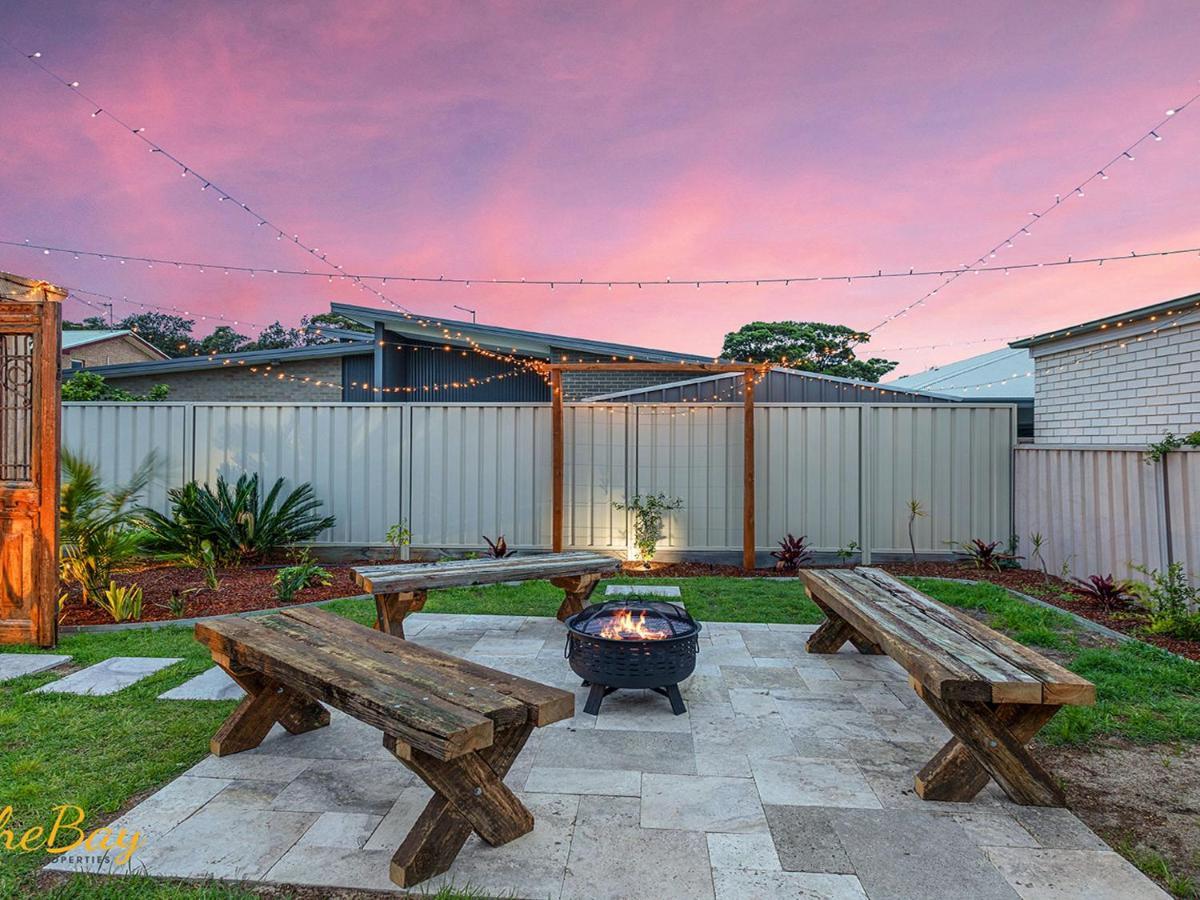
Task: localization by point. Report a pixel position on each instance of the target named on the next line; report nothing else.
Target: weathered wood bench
(992, 693)
(400, 589)
(458, 725)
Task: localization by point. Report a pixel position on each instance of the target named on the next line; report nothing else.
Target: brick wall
(577, 385)
(239, 384)
(111, 352)
(1114, 395)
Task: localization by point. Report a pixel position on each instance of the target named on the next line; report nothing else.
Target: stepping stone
(212, 684)
(109, 676)
(17, 665)
(642, 590)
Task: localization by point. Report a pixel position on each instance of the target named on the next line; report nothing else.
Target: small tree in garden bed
(915, 511)
(648, 512)
(793, 553)
(239, 524)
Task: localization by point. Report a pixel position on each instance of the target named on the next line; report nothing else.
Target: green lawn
(97, 752)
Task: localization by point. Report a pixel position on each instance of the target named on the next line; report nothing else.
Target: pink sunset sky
(612, 141)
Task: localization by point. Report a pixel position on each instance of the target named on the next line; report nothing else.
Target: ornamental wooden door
(30, 354)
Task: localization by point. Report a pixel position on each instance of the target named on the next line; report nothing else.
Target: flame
(622, 626)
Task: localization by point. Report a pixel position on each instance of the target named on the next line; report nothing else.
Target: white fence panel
(118, 437)
(595, 463)
(807, 474)
(351, 454)
(956, 460)
(1098, 510)
(694, 453)
(480, 470)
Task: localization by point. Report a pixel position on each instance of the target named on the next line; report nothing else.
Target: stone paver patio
(789, 777)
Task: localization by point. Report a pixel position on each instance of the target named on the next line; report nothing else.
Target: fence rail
(838, 473)
(1104, 510)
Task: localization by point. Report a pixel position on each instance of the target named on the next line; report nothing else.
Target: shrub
(1171, 601)
(845, 554)
(87, 386)
(1105, 591)
(399, 536)
(124, 603)
(238, 523)
(985, 554)
(648, 512)
(499, 549)
(97, 527)
(793, 553)
(290, 580)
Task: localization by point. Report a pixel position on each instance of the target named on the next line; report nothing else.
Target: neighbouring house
(1123, 379)
(88, 348)
(1000, 376)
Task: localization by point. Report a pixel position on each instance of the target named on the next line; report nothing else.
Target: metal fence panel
(596, 450)
(350, 453)
(118, 437)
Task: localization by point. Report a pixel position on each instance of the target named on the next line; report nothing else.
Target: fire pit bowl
(632, 643)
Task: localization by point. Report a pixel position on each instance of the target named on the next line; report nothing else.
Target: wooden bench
(400, 589)
(458, 725)
(992, 693)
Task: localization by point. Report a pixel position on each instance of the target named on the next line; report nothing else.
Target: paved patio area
(790, 776)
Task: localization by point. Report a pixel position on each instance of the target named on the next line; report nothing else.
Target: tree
(309, 325)
(276, 337)
(222, 340)
(809, 346)
(83, 385)
(170, 334)
(91, 323)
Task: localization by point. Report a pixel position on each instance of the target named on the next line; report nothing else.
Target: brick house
(89, 348)
(1123, 379)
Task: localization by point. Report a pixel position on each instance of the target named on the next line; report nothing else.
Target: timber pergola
(751, 373)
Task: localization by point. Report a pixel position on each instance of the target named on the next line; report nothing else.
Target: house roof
(1004, 374)
(252, 357)
(1142, 314)
(508, 340)
(72, 338)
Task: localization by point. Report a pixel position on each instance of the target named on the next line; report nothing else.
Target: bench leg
(989, 742)
(266, 703)
(834, 632)
(578, 589)
(391, 609)
(455, 809)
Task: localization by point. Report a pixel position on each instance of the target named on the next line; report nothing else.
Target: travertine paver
(641, 590)
(790, 776)
(109, 676)
(17, 665)
(211, 684)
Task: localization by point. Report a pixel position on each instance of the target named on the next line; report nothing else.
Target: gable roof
(82, 337)
(507, 340)
(1086, 331)
(1004, 374)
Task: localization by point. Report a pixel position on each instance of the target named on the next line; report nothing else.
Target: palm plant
(98, 527)
(238, 522)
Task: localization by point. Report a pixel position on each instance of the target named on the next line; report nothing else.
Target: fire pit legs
(671, 692)
(599, 691)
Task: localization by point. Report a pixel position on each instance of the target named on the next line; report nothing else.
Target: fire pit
(632, 644)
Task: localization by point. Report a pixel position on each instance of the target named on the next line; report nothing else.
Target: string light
(362, 277)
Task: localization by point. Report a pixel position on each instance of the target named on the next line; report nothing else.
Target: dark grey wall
(779, 387)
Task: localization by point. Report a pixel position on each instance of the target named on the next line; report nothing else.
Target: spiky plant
(498, 549)
(793, 553)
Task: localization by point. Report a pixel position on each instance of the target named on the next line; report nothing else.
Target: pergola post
(748, 537)
(556, 442)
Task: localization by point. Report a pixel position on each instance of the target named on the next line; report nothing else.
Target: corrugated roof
(77, 338)
(1004, 374)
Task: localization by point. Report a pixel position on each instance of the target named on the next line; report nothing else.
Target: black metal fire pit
(632, 644)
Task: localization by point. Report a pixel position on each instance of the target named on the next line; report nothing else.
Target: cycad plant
(98, 527)
(237, 521)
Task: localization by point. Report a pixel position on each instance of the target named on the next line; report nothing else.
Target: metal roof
(252, 357)
(82, 337)
(495, 337)
(1004, 374)
(1167, 307)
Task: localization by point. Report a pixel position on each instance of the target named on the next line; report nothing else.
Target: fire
(623, 626)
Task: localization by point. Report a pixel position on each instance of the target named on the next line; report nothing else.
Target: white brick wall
(1114, 395)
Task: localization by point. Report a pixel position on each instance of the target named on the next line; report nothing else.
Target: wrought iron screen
(16, 407)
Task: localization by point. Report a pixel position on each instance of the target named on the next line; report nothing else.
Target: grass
(1155, 865)
(1143, 694)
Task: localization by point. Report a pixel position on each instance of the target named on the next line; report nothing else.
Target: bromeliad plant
(648, 510)
(1105, 591)
(98, 527)
(239, 524)
(290, 580)
(793, 553)
(498, 549)
(123, 603)
(986, 554)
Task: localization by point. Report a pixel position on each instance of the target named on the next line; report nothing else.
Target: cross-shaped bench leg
(578, 589)
(834, 632)
(989, 740)
(469, 795)
(266, 703)
(391, 609)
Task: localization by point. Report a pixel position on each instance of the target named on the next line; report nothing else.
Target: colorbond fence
(1103, 510)
(834, 472)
